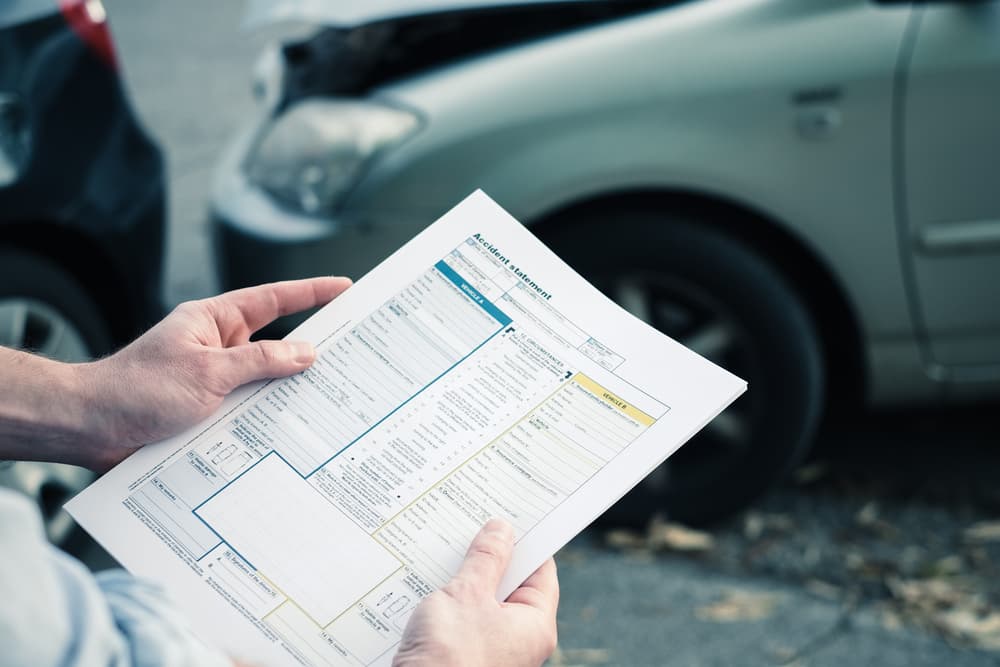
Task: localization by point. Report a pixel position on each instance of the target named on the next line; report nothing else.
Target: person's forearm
(46, 411)
(176, 374)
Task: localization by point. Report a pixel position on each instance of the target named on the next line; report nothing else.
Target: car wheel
(44, 310)
(724, 300)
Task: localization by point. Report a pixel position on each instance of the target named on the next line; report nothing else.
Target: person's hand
(463, 624)
(178, 372)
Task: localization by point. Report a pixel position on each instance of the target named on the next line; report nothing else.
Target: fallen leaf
(982, 630)
(753, 526)
(947, 566)
(624, 539)
(926, 593)
(854, 560)
(931, 602)
(868, 518)
(867, 515)
(982, 532)
(739, 606)
(823, 589)
(675, 537)
(891, 620)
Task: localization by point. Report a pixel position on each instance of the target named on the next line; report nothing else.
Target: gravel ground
(884, 549)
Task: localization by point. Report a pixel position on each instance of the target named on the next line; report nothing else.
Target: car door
(949, 135)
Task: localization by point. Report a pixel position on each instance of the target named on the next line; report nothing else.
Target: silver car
(804, 192)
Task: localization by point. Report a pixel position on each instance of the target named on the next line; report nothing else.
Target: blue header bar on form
(472, 293)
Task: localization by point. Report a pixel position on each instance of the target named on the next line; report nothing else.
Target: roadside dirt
(901, 513)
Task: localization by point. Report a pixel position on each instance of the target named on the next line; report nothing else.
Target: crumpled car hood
(348, 13)
(359, 45)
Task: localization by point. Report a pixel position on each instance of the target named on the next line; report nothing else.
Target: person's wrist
(84, 428)
(90, 409)
(103, 396)
(51, 417)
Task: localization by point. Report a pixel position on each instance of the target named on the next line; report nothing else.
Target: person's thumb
(267, 359)
(488, 557)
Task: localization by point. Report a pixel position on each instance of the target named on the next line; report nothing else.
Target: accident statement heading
(470, 375)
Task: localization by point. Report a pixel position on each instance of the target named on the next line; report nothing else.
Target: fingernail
(302, 351)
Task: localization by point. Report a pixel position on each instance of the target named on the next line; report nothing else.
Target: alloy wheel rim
(693, 317)
(30, 324)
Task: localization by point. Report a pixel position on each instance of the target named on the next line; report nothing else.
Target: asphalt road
(750, 599)
(627, 610)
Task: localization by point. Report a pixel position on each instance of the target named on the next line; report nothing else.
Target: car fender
(644, 103)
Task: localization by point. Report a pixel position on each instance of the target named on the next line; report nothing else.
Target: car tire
(35, 281)
(43, 309)
(721, 297)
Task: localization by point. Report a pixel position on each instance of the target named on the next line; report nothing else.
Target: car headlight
(316, 151)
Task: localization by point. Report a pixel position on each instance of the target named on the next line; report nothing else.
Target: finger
(263, 304)
(540, 590)
(488, 556)
(266, 359)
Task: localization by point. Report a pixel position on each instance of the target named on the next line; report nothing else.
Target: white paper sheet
(470, 375)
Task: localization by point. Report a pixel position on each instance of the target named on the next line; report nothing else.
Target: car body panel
(671, 124)
(91, 194)
(352, 13)
(950, 144)
(22, 11)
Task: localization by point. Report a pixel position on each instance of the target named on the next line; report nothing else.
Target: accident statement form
(471, 375)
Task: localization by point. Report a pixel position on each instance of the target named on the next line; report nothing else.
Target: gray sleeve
(55, 613)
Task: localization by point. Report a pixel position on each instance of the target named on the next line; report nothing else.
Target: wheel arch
(87, 262)
(806, 272)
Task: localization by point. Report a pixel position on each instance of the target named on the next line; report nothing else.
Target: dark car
(81, 201)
